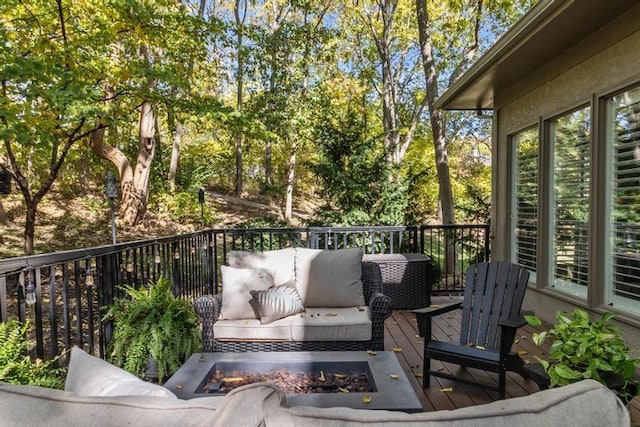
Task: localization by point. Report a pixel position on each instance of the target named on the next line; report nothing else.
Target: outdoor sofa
(100, 394)
(295, 299)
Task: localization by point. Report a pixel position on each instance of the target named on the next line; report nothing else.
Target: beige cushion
(251, 329)
(329, 278)
(332, 324)
(585, 404)
(278, 262)
(237, 283)
(90, 376)
(316, 324)
(38, 406)
(276, 302)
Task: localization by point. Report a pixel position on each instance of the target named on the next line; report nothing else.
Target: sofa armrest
(380, 308)
(207, 308)
(371, 280)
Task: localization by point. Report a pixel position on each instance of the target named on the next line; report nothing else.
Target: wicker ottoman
(406, 279)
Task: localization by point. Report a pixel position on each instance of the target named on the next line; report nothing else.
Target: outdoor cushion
(90, 376)
(315, 324)
(586, 404)
(251, 329)
(332, 324)
(237, 283)
(329, 278)
(278, 262)
(276, 302)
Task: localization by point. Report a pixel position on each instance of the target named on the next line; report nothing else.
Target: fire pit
(321, 379)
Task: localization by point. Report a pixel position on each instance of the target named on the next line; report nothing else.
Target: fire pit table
(388, 385)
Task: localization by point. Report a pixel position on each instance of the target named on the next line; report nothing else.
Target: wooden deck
(401, 335)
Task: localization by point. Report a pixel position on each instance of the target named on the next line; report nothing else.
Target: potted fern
(581, 348)
(151, 324)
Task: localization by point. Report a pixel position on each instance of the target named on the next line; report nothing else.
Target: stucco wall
(606, 61)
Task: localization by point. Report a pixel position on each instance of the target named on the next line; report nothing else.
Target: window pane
(525, 210)
(570, 139)
(624, 142)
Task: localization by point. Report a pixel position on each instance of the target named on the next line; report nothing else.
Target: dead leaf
(371, 353)
(322, 378)
(343, 390)
(331, 314)
(179, 386)
(522, 352)
(517, 341)
(446, 390)
(339, 376)
(397, 350)
(526, 362)
(394, 376)
(366, 399)
(435, 305)
(479, 347)
(232, 380)
(417, 375)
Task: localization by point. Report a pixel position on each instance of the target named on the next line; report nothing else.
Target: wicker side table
(406, 279)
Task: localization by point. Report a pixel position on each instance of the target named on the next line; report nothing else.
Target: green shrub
(16, 366)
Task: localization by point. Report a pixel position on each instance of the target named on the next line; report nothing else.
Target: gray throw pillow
(276, 303)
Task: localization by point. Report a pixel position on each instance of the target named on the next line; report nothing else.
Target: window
(571, 155)
(623, 143)
(525, 203)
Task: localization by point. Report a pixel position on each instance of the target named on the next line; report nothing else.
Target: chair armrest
(207, 308)
(371, 280)
(380, 308)
(424, 315)
(515, 322)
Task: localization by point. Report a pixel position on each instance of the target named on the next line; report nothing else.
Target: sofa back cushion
(237, 284)
(329, 278)
(278, 262)
(90, 376)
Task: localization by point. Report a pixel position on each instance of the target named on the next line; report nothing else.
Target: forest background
(324, 107)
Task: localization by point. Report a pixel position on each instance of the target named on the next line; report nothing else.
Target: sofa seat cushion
(332, 324)
(329, 278)
(316, 324)
(586, 404)
(279, 263)
(252, 329)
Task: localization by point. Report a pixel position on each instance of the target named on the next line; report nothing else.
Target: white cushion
(332, 324)
(251, 329)
(237, 283)
(278, 262)
(329, 278)
(91, 376)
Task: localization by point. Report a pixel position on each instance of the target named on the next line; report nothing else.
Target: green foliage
(150, 321)
(583, 349)
(16, 366)
(183, 206)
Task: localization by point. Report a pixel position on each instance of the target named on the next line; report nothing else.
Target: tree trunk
(175, 155)
(436, 116)
(288, 210)
(239, 92)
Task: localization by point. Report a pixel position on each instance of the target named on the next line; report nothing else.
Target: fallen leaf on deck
(343, 390)
(397, 350)
(366, 399)
(522, 352)
(394, 376)
(526, 362)
(435, 305)
(517, 341)
(479, 347)
(447, 390)
(417, 375)
(371, 353)
(440, 369)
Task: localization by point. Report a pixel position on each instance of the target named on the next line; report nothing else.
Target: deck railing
(63, 294)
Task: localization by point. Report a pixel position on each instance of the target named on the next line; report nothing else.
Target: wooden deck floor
(402, 335)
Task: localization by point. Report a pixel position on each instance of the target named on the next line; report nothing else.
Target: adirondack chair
(490, 317)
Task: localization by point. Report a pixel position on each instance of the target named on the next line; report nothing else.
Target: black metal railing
(64, 294)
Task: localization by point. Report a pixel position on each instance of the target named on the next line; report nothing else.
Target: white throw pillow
(237, 283)
(329, 278)
(278, 262)
(90, 376)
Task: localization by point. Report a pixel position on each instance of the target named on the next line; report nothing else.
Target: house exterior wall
(606, 61)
